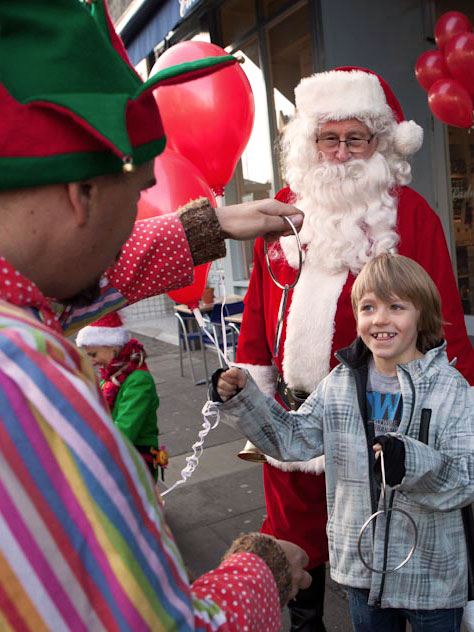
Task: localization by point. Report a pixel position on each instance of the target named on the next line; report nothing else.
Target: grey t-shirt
(384, 401)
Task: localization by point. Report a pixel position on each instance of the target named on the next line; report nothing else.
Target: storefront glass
(461, 152)
(289, 45)
(253, 178)
(272, 7)
(461, 156)
(286, 48)
(237, 19)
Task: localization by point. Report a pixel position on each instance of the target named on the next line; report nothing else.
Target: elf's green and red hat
(71, 104)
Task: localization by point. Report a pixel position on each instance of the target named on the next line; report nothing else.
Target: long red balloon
(207, 120)
(178, 181)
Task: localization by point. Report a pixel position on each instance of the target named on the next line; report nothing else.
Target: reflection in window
(237, 18)
(461, 152)
(287, 42)
(272, 7)
(289, 45)
(253, 177)
(461, 155)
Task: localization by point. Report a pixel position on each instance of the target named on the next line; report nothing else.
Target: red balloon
(208, 120)
(451, 103)
(177, 182)
(191, 294)
(449, 24)
(430, 66)
(146, 210)
(459, 54)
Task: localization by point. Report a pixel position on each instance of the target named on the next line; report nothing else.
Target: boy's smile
(389, 330)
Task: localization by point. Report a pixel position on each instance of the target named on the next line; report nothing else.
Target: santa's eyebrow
(354, 132)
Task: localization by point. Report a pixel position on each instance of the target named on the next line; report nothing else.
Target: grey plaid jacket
(439, 477)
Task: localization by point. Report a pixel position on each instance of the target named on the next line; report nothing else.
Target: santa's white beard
(350, 215)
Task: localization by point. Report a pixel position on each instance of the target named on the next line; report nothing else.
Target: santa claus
(345, 158)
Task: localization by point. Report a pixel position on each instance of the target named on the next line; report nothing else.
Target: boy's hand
(230, 382)
(394, 459)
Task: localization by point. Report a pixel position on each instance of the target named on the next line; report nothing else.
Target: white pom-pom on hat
(408, 137)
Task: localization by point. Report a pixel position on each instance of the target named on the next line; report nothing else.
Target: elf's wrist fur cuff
(203, 231)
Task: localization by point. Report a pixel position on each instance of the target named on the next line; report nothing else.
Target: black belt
(292, 398)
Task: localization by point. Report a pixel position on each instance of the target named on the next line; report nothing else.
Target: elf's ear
(80, 194)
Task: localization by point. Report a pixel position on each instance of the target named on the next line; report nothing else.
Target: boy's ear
(80, 195)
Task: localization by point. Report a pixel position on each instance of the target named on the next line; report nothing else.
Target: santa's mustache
(350, 213)
(339, 185)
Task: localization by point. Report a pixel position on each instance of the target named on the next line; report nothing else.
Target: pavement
(224, 496)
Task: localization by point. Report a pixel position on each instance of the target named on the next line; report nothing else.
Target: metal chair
(187, 335)
(231, 329)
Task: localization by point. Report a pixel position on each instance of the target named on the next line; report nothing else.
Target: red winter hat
(108, 331)
(351, 92)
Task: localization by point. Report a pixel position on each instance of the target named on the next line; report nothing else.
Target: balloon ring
(286, 288)
(411, 551)
(386, 512)
(300, 254)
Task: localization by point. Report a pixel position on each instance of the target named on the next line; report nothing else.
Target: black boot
(306, 609)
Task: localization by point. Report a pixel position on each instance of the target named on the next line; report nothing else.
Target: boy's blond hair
(388, 275)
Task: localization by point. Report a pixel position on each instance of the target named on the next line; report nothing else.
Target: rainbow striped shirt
(83, 541)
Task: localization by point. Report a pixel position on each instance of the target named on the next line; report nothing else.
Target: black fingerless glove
(394, 460)
(213, 394)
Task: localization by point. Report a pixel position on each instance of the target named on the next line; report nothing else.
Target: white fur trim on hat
(102, 337)
(341, 95)
(408, 137)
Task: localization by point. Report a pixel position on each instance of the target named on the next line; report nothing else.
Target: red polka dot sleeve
(244, 588)
(155, 259)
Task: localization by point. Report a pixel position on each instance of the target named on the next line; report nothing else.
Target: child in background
(394, 388)
(127, 385)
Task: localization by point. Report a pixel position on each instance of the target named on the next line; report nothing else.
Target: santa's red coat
(296, 502)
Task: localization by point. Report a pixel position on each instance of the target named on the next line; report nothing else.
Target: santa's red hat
(350, 92)
(108, 331)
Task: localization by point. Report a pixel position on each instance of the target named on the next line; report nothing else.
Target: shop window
(289, 44)
(461, 156)
(237, 19)
(461, 153)
(273, 7)
(253, 177)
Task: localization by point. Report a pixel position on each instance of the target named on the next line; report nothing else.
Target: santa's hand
(230, 382)
(260, 218)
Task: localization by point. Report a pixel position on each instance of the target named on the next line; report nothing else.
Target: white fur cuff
(313, 466)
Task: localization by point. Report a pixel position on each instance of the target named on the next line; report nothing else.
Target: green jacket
(135, 409)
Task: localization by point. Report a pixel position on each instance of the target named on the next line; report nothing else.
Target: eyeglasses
(331, 143)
